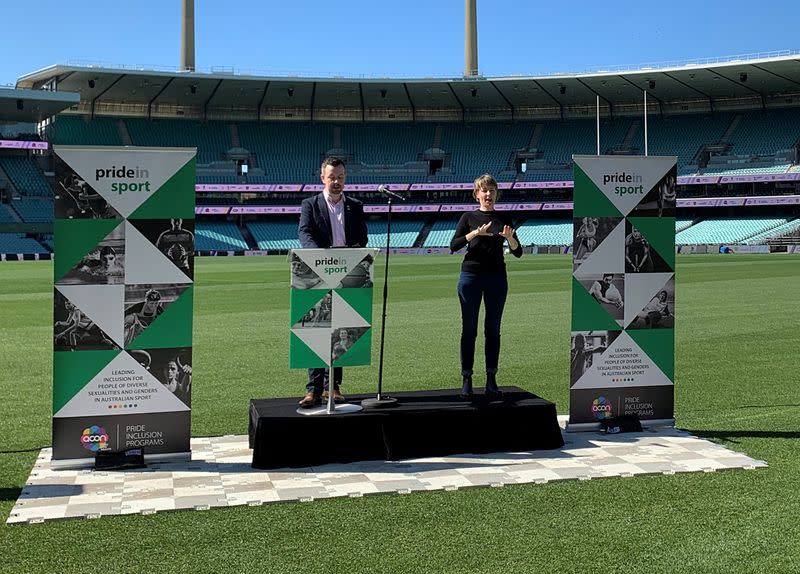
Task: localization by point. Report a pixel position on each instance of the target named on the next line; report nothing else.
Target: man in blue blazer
(330, 219)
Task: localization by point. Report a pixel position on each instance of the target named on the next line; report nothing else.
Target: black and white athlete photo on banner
(172, 237)
(75, 198)
(607, 289)
(659, 313)
(588, 233)
(343, 338)
(359, 276)
(103, 265)
(145, 303)
(585, 345)
(319, 315)
(74, 330)
(640, 257)
(661, 200)
(172, 367)
(303, 277)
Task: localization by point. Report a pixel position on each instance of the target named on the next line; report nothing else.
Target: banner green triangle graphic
(74, 238)
(359, 352)
(659, 344)
(587, 313)
(301, 300)
(72, 370)
(301, 356)
(590, 201)
(360, 300)
(660, 234)
(173, 199)
(173, 328)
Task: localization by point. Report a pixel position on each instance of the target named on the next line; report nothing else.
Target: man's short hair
(331, 161)
(608, 275)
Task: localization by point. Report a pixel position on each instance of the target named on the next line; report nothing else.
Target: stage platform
(220, 475)
(423, 424)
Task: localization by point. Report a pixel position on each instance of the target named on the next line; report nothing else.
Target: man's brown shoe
(337, 396)
(311, 399)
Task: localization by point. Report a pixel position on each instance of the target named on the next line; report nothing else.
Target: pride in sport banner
(122, 324)
(623, 289)
(330, 307)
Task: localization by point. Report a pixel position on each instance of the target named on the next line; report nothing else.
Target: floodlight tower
(470, 39)
(187, 36)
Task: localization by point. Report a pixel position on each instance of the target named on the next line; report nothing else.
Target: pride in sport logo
(94, 438)
(601, 408)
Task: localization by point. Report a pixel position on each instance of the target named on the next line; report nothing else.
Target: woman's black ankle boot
(491, 386)
(466, 387)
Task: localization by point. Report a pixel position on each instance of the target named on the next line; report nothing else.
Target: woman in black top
(483, 276)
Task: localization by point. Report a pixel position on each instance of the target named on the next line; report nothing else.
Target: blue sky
(411, 38)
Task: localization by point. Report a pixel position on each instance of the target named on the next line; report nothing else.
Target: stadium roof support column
(187, 36)
(470, 38)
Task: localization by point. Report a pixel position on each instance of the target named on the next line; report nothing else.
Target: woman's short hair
(485, 180)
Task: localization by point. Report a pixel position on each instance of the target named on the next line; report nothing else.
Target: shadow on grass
(10, 494)
(732, 435)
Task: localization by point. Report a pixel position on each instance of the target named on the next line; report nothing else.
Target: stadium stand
(681, 224)
(212, 139)
(788, 228)
(441, 233)
(25, 175)
(545, 232)
(274, 234)
(404, 233)
(725, 230)
(218, 235)
(34, 210)
(78, 130)
(724, 143)
(6, 216)
(18, 243)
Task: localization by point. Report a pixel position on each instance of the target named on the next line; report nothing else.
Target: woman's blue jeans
(492, 289)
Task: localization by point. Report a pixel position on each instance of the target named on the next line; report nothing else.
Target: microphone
(386, 191)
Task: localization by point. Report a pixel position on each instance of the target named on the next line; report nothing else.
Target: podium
(330, 313)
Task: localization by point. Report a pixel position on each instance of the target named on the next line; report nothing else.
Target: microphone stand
(382, 401)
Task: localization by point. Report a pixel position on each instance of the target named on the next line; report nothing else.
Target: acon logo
(94, 438)
(601, 408)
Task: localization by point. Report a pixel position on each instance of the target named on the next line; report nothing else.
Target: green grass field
(737, 383)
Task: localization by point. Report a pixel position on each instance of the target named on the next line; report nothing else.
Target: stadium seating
(404, 233)
(441, 234)
(34, 210)
(274, 234)
(681, 224)
(18, 243)
(725, 230)
(212, 139)
(765, 132)
(219, 236)
(6, 216)
(787, 228)
(75, 130)
(25, 175)
(545, 232)
(289, 152)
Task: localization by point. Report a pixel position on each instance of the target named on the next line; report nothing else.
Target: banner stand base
(75, 463)
(344, 409)
(593, 427)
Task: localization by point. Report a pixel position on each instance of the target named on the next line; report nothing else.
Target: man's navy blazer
(315, 223)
